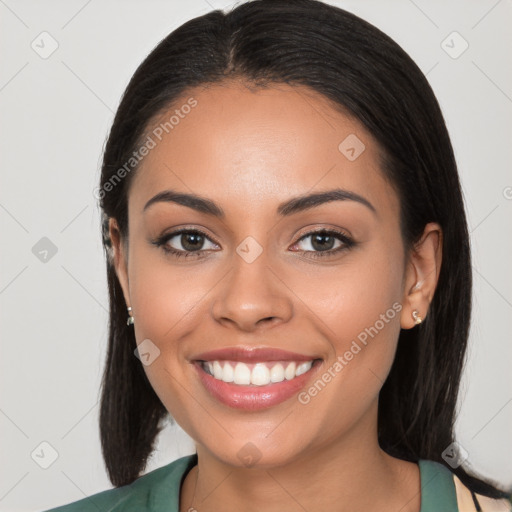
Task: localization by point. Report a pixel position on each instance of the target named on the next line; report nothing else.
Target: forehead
(257, 147)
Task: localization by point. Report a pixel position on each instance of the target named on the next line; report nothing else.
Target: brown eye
(191, 241)
(184, 242)
(323, 243)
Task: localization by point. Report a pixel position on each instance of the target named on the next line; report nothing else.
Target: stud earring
(417, 317)
(130, 317)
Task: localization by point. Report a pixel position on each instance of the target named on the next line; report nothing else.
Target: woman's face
(263, 279)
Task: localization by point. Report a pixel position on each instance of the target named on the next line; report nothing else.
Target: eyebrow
(289, 207)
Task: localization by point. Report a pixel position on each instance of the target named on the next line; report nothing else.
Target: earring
(130, 317)
(417, 317)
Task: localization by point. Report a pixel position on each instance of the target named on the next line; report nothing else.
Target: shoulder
(466, 500)
(443, 490)
(153, 491)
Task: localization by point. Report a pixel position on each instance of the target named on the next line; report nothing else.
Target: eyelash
(344, 238)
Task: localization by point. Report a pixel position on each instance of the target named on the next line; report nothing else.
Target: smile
(254, 379)
(257, 374)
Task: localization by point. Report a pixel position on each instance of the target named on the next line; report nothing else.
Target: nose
(252, 295)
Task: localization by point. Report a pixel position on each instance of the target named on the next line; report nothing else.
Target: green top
(159, 491)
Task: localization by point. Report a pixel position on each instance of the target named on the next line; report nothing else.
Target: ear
(119, 257)
(422, 274)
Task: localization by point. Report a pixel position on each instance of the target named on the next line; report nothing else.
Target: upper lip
(250, 355)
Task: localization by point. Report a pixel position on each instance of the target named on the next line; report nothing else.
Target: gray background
(55, 114)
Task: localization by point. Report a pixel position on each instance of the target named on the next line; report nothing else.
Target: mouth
(257, 374)
(254, 379)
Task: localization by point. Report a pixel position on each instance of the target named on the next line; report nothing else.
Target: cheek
(164, 296)
(357, 309)
(170, 304)
(361, 294)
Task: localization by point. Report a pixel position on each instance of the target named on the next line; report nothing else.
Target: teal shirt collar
(437, 486)
(159, 491)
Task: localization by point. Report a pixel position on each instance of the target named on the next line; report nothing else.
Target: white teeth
(277, 373)
(242, 374)
(289, 373)
(217, 370)
(260, 375)
(228, 374)
(303, 368)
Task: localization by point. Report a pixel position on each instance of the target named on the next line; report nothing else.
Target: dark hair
(366, 74)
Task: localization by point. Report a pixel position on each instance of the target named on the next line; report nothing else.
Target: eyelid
(187, 228)
(324, 229)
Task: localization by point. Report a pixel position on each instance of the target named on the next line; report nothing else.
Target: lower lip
(253, 398)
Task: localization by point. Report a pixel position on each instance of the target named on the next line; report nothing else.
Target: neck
(349, 473)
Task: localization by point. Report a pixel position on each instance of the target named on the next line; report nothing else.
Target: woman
(289, 273)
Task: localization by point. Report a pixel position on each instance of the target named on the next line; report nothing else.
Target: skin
(249, 150)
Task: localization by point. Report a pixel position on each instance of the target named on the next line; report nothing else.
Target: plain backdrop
(55, 115)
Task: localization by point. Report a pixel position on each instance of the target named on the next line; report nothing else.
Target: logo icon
(249, 249)
(249, 454)
(454, 45)
(351, 147)
(44, 455)
(44, 250)
(147, 352)
(44, 45)
(454, 455)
